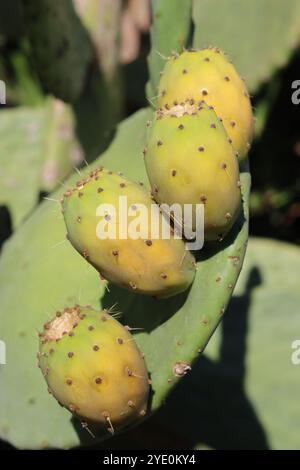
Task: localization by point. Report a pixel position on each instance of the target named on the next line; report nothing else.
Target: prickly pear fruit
(93, 367)
(60, 46)
(190, 160)
(148, 265)
(208, 75)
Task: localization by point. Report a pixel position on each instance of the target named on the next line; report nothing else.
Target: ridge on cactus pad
(208, 75)
(93, 367)
(190, 160)
(147, 265)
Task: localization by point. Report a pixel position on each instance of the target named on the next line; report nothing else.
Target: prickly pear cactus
(93, 367)
(160, 267)
(190, 160)
(173, 331)
(208, 75)
(60, 46)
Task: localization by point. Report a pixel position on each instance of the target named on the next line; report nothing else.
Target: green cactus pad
(40, 142)
(260, 36)
(60, 45)
(50, 274)
(173, 16)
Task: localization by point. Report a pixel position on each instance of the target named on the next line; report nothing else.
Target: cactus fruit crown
(208, 75)
(93, 367)
(190, 160)
(154, 266)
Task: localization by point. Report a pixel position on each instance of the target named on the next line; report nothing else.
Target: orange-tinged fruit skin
(93, 367)
(193, 164)
(159, 267)
(208, 75)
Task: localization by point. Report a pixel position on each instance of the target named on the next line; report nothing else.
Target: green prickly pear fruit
(146, 264)
(190, 160)
(209, 76)
(93, 367)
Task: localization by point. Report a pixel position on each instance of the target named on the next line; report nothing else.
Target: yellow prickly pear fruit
(93, 367)
(94, 213)
(208, 75)
(190, 160)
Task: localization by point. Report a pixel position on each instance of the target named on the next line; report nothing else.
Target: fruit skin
(189, 160)
(208, 75)
(159, 267)
(93, 367)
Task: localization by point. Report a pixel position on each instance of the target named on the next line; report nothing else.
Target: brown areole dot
(98, 380)
(120, 341)
(99, 190)
(174, 172)
(91, 328)
(223, 166)
(201, 149)
(69, 381)
(227, 79)
(115, 252)
(181, 126)
(159, 142)
(148, 242)
(70, 354)
(95, 347)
